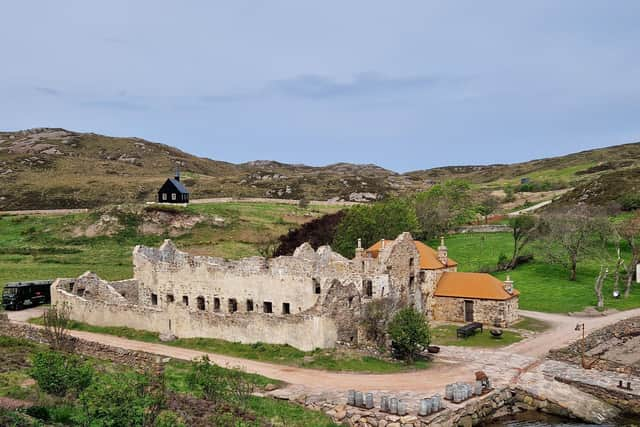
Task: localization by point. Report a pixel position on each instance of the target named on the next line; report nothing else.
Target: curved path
(452, 364)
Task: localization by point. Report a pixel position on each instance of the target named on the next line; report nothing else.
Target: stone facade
(490, 312)
(312, 299)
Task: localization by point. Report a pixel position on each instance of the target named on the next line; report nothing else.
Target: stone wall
(138, 359)
(497, 403)
(490, 312)
(312, 299)
(305, 332)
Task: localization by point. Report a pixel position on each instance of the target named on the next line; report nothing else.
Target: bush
(318, 232)
(217, 384)
(116, 400)
(630, 202)
(169, 419)
(409, 332)
(58, 373)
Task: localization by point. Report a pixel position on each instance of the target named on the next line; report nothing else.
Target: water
(538, 419)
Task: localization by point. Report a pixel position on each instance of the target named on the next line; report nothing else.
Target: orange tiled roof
(428, 256)
(472, 285)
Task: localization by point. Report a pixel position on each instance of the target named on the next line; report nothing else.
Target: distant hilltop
(44, 168)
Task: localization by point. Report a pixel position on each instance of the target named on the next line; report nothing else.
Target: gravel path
(452, 364)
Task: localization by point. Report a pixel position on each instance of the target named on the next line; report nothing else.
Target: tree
(487, 206)
(382, 220)
(599, 284)
(409, 332)
(60, 373)
(573, 235)
(523, 228)
(318, 232)
(443, 207)
(56, 320)
(629, 231)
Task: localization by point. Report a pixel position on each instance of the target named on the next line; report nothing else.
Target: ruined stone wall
(308, 300)
(428, 282)
(402, 262)
(490, 312)
(305, 332)
(250, 282)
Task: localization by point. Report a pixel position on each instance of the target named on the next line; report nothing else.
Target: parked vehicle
(19, 295)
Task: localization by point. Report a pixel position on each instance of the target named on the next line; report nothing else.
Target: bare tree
(523, 229)
(572, 235)
(629, 231)
(599, 284)
(56, 320)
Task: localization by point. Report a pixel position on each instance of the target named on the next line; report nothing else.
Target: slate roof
(178, 185)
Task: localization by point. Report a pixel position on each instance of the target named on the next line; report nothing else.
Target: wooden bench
(468, 329)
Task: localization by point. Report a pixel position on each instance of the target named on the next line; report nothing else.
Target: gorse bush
(59, 373)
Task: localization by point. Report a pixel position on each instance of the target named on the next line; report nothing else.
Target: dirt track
(454, 363)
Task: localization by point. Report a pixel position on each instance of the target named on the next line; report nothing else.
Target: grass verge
(323, 359)
(446, 335)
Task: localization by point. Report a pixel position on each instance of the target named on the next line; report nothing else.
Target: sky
(406, 85)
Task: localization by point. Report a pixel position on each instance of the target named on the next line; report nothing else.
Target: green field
(38, 247)
(543, 286)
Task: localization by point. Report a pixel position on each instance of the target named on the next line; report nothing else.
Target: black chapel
(173, 191)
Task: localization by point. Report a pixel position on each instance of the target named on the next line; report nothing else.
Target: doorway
(468, 311)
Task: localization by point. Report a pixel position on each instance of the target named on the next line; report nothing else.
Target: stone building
(312, 299)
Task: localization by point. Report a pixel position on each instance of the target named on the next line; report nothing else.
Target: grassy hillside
(35, 247)
(572, 168)
(91, 170)
(56, 168)
(543, 286)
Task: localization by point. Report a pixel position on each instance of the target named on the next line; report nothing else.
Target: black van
(19, 295)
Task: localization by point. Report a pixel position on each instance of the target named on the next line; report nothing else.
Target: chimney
(177, 171)
(382, 244)
(443, 256)
(508, 284)
(359, 249)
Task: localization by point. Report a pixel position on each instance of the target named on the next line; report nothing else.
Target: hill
(56, 168)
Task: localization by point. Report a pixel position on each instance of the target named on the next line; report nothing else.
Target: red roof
(472, 285)
(428, 256)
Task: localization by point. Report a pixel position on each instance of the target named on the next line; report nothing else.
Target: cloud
(312, 86)
(47, 91)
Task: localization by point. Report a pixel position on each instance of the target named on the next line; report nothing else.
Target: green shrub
(217, 384)
(409, 332)
(116, 400)
(169, 419)
(58, 373)
(630, 202)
